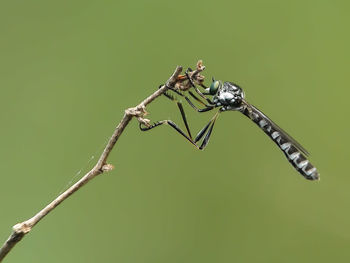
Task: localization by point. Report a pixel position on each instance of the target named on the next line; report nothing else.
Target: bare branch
(23, 228)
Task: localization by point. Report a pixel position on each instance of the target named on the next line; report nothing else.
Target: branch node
(107, 167)
(22, 228)
(139, 112)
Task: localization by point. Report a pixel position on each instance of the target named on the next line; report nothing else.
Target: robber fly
(227, 96)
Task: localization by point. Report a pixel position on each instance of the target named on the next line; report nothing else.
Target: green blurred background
(68, 70)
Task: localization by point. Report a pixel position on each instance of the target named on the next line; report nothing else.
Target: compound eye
(214, 87)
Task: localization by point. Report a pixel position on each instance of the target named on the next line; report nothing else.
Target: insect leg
(196, 89)
(207, 108)
(172, 124)
(197, 99)
(183, 115)
(210, 125)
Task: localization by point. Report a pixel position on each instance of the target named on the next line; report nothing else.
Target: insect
(227, 96)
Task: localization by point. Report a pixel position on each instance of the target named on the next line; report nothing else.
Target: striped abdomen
(294, 152)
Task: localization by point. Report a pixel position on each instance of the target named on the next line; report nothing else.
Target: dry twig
(23, 228)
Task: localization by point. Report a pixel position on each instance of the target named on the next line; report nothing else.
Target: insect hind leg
(171, 124)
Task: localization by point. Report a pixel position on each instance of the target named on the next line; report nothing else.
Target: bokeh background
(68, 70)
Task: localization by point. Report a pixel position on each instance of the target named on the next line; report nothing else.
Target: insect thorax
(229, 95)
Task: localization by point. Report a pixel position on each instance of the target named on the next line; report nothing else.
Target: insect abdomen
(295, 156)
